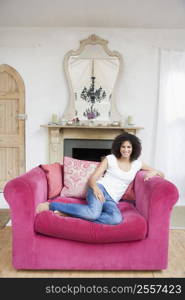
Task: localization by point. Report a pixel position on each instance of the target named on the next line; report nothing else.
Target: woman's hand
(98, 193)
(153, 173)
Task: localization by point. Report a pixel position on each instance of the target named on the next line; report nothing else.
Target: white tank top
(115, 180)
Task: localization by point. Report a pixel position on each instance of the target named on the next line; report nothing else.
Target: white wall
(37, 54)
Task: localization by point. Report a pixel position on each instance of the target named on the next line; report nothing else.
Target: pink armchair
(36, 248)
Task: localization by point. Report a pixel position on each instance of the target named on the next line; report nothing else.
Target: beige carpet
(4, 217)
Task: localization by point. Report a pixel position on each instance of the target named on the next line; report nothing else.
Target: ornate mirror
(92, 72)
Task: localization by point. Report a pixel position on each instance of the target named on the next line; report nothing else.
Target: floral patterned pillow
(76, 175)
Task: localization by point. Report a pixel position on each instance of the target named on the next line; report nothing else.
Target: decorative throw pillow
(54, 178)
(129, 193)
(76, 175)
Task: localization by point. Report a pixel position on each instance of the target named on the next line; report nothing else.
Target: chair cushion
(132, 228)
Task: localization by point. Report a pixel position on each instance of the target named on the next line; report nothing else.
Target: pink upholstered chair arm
(154, 200)
(24, 193)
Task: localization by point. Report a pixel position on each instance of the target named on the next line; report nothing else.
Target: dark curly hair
(135, 142)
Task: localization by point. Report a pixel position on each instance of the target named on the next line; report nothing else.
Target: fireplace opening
(90, 154)
(84, 149)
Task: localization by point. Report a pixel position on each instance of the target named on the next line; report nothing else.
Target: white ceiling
(93, 13)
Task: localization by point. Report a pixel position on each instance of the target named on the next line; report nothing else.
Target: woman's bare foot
(45, 206)
(60, 213)
(42, 206)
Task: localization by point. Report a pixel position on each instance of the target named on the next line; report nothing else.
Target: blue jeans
(95, 210)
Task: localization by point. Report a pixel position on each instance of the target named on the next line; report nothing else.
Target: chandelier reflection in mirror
(92, 96)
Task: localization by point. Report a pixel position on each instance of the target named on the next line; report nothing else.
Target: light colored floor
(176, 266)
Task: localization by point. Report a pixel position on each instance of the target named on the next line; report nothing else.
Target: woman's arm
(95, 176)
(151, 172)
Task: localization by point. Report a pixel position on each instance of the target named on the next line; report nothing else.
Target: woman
(108, 183)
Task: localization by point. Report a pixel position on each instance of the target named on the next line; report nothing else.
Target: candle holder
(54, 118)
(130, 121)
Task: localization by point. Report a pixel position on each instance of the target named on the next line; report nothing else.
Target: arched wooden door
(12, 124)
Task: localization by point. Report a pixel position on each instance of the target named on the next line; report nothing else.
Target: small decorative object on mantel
(130, 121)
(115, 123)
(92, 123)
(63, 122)
(69, 122)
(76, 121)
(122, 123)
(54, 118)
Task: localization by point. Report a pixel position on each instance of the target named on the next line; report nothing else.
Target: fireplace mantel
(57, 134)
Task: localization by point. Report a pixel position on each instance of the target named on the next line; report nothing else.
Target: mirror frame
(93, 39)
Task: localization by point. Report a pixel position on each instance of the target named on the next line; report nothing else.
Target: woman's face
(126, 149)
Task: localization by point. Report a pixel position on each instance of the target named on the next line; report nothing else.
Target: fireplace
(85, 149)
